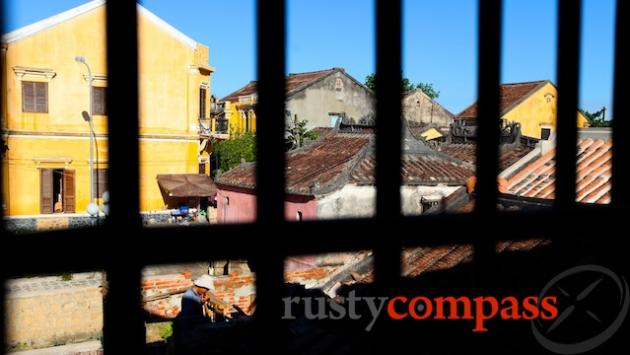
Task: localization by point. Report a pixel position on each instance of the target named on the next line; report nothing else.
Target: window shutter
(69, 198)
(99, 101)
(46, 191)
(41, 97)
(202, 102)
(101, 185)
(28, 96)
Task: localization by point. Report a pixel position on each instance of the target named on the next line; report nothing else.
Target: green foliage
(429, 90)
(298, 134)
(165, 330)
(407, 85)
(598, 119)
(66, 276)
(229, 153)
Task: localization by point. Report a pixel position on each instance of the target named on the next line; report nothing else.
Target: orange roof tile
(594, 171)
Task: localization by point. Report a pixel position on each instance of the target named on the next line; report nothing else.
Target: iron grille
(122, 247)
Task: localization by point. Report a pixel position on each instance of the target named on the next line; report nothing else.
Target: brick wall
(43, 318)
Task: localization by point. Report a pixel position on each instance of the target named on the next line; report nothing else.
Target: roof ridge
(315, 71)
(54, 20)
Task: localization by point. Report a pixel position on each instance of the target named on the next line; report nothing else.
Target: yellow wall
(235, 113)
(538, 111)
(171, 72)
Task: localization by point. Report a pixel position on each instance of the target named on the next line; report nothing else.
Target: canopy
(187, 185)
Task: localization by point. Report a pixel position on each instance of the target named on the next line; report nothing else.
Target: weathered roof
(594, 170)
(468, 153)
(511, 95)
(315, 169)
(295, 83)
(418, 169)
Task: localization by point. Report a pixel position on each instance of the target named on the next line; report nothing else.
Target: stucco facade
(172, 70)
(336, 93)
(420, 108)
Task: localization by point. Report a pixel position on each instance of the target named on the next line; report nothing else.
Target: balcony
(213, 128)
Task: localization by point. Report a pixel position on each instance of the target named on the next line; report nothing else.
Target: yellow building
(45, 91)
(533, 105)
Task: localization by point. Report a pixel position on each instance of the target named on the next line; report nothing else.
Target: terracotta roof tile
(418, 169)
(467, 153)
(594, 171)
(511, 94)
(294, 82)
(312, 169)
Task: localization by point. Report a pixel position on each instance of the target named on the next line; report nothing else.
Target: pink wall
(242, 207)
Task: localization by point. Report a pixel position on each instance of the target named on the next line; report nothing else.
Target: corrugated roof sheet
(511, 94)
(594, 170)
(294, 82)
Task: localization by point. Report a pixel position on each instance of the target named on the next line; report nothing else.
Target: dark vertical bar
(270, 172)
(568, 66)
(4, 263)
(388, 133)
(123, 320)
(621, 145)
(488, 131)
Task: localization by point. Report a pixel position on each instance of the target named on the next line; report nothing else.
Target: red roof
(594, 170)
(295, 82)
(511, 95)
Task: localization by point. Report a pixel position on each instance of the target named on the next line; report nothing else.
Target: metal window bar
(123, 329)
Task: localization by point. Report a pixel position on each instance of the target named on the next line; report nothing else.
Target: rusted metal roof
(511, 95)
(594, 170)
(187, 185)
(295, 82)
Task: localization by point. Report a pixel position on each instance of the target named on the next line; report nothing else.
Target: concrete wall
(45, 318)
(359, 201)
(336, 93)
(236, 206)
(418, 107)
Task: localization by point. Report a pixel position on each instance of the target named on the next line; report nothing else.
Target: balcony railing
(213, 126)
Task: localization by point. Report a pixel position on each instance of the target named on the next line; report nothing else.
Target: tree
(407, 85)
(229, 153)
(598, 118)
(428, 89)
(298, 134)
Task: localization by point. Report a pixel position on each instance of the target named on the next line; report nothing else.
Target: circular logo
(592, 303)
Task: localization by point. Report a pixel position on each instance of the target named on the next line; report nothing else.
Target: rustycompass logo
(592, 303)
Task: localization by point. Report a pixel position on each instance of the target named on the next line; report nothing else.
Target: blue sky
(439, 40)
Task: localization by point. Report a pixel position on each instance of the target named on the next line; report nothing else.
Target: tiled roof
(511, 95)
(467, 153)
(594, 170)
(316, 168)
(418, 169)
(294, 83)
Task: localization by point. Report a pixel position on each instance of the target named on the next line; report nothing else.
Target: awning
(187, 185)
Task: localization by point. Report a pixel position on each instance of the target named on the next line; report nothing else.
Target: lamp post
(92, 207)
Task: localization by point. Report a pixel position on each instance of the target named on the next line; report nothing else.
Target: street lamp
(92, 207)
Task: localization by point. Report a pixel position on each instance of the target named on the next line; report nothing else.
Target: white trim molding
(24, 73)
